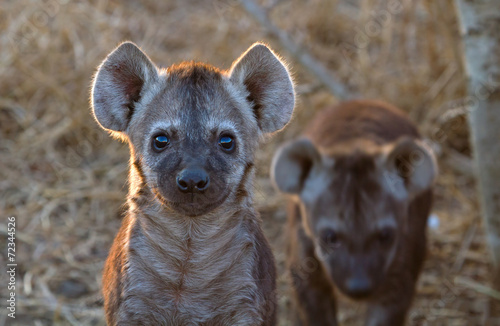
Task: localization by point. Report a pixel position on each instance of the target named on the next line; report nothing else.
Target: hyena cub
(191, 250)
(362, 183)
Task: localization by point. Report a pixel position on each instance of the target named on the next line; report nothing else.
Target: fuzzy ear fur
(410, 167)
(291, 165)
(119, 84)
(268, 86)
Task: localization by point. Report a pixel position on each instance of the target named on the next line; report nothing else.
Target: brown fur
(375, 121)
(350, 140)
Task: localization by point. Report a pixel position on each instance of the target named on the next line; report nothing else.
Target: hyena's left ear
(410, 167)
(121, 81)
(268, 86)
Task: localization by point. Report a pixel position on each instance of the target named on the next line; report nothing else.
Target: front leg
(313, 298)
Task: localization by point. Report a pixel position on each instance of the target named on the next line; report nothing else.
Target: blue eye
(160, 142)
(227, 143)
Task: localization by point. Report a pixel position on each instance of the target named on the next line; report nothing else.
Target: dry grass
(65, 180)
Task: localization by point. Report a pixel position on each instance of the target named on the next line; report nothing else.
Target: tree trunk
(480, 26)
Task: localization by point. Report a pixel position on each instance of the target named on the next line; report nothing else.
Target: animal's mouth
(358, 295)
(193, 204)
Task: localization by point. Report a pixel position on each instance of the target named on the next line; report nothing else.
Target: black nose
(192, 180)
(359, 287)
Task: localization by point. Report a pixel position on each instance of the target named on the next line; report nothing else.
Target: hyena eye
(160, 142)
(227, 143)
(330, 238)
(385, 236)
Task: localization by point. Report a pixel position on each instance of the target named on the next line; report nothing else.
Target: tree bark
(480, 27)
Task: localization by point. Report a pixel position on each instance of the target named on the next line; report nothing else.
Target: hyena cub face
(195, 140)
(355, 204)
(193, 128)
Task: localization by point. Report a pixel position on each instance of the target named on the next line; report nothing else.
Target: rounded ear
(119, 83)
(291, 165)
(410, 167)
(268, 86)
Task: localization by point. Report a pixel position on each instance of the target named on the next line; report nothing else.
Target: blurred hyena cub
(191, 249)
(362, 181)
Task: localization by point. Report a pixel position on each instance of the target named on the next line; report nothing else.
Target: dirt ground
(64, 179)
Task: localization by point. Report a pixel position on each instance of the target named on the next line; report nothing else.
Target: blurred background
(64, 179)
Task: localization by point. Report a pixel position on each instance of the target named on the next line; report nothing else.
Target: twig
(459, 261)
(478, 287)
(316, 68)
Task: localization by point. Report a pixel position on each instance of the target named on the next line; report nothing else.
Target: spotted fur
(191, 258)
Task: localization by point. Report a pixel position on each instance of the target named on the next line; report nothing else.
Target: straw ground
(65, 180)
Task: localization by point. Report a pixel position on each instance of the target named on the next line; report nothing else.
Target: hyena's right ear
(292, 164)
(119, 84)
(268, 86)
